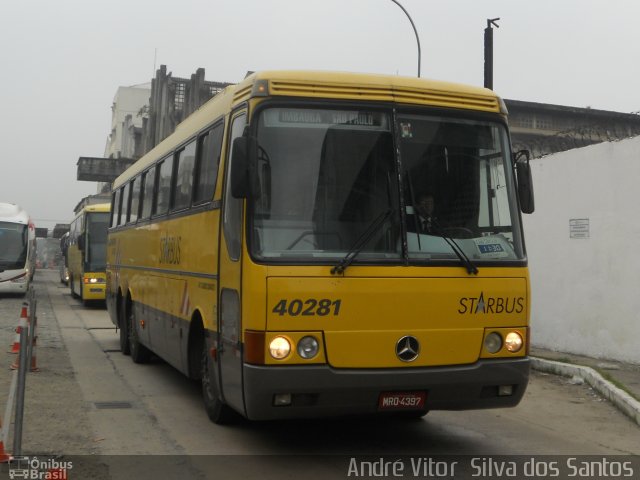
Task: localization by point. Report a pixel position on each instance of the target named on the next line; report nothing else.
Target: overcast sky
(62, 62)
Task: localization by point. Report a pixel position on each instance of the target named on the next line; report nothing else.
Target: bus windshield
(13, 245)
(97, 224)
(324, 177)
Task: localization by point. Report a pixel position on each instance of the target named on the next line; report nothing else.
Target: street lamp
(414, 31)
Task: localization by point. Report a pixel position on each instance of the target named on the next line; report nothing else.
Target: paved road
(111, 406)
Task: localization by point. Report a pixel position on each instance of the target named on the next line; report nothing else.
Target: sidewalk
(616, 381)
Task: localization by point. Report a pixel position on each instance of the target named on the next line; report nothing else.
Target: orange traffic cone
(22, 323)
(15, 348)
(34, 363)
(34, 367)
(4, 456)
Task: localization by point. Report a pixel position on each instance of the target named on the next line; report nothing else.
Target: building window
(544, 123)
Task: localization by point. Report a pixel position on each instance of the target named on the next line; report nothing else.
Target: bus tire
(139, 353)
(124, 330)
(82, 299)
(73, 293)
(218, 412)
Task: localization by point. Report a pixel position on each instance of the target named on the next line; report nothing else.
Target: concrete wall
(583, 244)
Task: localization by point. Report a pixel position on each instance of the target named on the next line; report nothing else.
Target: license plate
(402, 401)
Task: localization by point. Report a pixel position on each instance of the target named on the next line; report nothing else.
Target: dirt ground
(55, 415)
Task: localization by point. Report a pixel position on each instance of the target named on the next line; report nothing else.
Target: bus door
(229, 313)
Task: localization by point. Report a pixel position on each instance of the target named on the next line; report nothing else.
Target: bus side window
(206, 174)
(124, 203)
(163, 190)
(127, 207)
(183, 176)
(134, 200)
(232, 208)
(115, 209)
(147, 199)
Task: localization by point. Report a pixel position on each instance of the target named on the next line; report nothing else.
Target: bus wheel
(73, 293)
(82, 299)
(139, 353)
(124, 331)
(218, 412)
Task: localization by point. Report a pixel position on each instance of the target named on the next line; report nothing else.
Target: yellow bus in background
(86, 252)
(273, 248)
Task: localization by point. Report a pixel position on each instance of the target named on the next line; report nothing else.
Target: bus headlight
(94, 280)
(513, 342)
(493, 342)
(279, 348)
(308, 347)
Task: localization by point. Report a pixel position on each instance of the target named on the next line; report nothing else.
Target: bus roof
(328, 85)
(95, 207)
(10, 212)
(376, 87)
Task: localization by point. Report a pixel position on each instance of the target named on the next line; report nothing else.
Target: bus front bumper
(20, 286)
(94, 291)
(321, 391)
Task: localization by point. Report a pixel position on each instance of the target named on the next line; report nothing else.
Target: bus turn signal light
(254, 347)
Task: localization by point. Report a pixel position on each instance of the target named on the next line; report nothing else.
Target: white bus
(17, 249)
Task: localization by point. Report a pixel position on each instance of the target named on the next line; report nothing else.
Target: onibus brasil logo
(35, 468)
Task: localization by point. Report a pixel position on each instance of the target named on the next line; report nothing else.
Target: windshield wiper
(466, 261)
(360, 243)
(471, 268)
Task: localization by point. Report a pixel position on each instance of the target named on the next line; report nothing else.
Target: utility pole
(488, 52)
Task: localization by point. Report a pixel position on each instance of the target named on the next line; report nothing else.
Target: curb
(621, 399)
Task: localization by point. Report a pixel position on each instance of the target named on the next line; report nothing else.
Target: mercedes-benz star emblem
(407, 348)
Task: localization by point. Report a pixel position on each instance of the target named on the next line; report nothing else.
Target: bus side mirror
(81, 243)
(240, 168)
(525, 181)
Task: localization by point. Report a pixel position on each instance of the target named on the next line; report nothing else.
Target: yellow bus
(271, 247)
(86, 252)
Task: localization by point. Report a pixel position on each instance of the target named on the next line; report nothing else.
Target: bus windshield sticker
(405, 130)
(491, 248)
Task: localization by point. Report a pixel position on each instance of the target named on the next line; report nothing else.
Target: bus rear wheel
(218, 412)
(84, 301)
(73, 292)
(124, 330)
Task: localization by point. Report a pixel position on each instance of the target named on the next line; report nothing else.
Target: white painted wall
(586, 291)
(127, 101)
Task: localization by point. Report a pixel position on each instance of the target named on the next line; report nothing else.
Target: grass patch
(609, 378)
